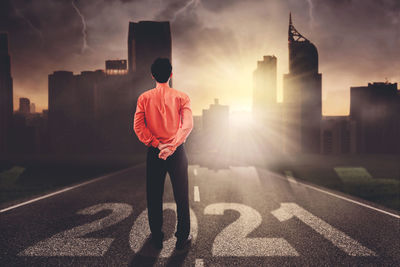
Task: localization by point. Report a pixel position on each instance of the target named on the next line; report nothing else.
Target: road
(241, 216)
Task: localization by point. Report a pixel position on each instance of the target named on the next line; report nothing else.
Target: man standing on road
(163, 120)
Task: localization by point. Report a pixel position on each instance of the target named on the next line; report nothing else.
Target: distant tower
(33, 108)
(302, 93)
(24, 105)
(266, 111)
(62, 106)
(264, 81)
(6, 94)
(147, 40)
(116, 67)
(376, 111)
(215, 126)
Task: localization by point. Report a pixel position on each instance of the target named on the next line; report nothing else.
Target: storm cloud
(216, 44)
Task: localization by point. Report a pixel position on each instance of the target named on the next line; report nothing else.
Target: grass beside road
(375, 178)
(24, 178)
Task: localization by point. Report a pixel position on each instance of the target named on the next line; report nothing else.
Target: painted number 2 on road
(231, 241)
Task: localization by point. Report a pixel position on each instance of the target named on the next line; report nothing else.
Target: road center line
(66, 189)
(338, 196)
(196, 194)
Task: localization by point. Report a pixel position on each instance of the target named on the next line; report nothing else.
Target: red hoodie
(164, 115)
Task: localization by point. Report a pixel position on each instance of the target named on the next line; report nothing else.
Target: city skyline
(228, 70)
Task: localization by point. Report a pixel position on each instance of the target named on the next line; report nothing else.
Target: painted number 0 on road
(140, 231)
(232, 241)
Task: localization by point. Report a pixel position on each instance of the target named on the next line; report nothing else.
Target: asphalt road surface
(240, 216)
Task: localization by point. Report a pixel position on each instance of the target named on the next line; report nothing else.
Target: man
(163, 120)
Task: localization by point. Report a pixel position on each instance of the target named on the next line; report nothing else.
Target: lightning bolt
(195, 3)
(310, 12)
(30, 24)
(84, 33)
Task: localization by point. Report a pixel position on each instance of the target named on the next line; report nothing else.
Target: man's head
(161, 70)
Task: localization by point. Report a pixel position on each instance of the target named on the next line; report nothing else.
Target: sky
(215, 44)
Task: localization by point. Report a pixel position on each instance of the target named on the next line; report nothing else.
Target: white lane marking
(141, 231)
(199, 263)
(66, 189)
(337, 237)
(233, 240)
(71, 243)
(196, 194)
(341, 197)
(289, 176)
(195, 171)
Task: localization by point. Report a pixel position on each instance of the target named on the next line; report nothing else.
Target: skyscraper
(215, 126)
(264, 82)
(375, 109)
(72, 110)
(116, 67)
(6, 94)
(33, 108)
(302, 95)
(266, 111)
(147, 40)
(62, 105)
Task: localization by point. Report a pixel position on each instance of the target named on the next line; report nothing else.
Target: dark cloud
(213, 41)
(218, 6)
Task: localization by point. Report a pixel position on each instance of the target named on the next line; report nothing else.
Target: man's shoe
(181, 244)
(157, 242)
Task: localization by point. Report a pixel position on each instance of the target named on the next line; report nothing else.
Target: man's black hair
(161, 69)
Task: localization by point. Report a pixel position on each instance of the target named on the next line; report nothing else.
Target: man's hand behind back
(165, 152)
(162, 146)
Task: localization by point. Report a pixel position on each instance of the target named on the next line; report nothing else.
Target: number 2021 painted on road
(231, 241)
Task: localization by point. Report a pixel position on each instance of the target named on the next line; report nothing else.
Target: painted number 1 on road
(231, 241)
(338, 238)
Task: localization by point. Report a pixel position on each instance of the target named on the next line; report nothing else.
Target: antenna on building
(294, 35)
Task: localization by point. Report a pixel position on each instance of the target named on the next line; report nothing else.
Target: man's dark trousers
(156, 169)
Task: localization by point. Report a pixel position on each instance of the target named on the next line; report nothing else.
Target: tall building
(302, 95)
(215, 126)
(24, 105)
(33, 108)
(87, 88)
(147, 40)
(114, 110)
(62, 102)
(264, 85)
(376, 110)
(6, 94)
(116, 67)
(72, 110)
(266, 112)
